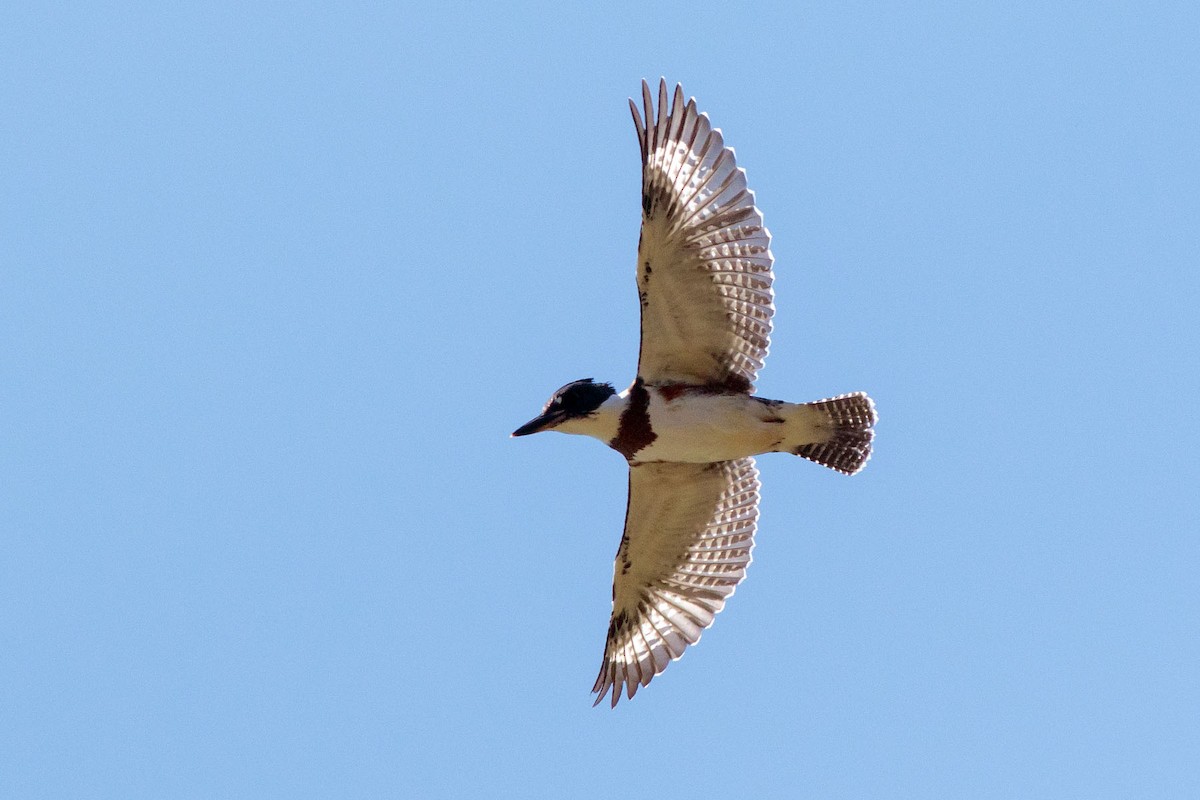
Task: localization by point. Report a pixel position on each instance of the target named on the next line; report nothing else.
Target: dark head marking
(579, 398)
(576, 400)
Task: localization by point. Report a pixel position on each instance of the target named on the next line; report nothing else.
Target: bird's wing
(704, 259)
(689, 529)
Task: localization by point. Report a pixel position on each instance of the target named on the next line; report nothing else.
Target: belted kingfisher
(690, 425)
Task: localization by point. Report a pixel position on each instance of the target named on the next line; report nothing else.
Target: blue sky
(277, 283)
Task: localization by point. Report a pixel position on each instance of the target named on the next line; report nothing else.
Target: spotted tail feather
(850, 418)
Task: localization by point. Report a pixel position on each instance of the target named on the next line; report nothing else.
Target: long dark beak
(539, 423)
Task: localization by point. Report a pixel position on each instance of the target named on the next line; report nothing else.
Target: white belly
(698, 427)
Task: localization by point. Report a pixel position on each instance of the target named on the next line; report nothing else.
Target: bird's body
(689, 424)
(695, 424)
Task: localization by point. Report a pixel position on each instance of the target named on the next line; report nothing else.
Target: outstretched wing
(689, 529)
(704, 260)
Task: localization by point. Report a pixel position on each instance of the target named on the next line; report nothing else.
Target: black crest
(580, 398)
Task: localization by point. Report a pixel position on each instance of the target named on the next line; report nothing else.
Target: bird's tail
(843, 428)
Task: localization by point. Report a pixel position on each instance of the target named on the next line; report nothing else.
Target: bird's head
(577, 400)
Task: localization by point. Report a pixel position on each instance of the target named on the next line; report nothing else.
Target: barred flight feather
(701, 233)
(689, 533)
(851, 419)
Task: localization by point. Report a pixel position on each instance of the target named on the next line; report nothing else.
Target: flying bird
(690, 424)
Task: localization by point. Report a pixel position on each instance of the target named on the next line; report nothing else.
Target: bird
(690, 425)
